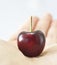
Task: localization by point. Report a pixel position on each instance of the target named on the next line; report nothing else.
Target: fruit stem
(31, 24)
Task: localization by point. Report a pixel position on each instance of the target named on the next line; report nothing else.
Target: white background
(13, 13)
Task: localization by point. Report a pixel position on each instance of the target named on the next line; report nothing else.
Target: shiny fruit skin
(31, 44)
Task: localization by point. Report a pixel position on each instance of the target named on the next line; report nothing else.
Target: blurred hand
(10, 55)
(46, 24)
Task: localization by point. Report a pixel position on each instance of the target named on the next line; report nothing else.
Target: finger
(52, 34)
(44, 24)
(26, 27)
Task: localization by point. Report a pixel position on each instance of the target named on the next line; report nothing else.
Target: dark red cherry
(31, 44)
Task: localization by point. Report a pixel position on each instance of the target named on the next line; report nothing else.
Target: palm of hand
(11, 55)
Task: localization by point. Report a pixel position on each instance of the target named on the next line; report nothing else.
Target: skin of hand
(10, 55)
